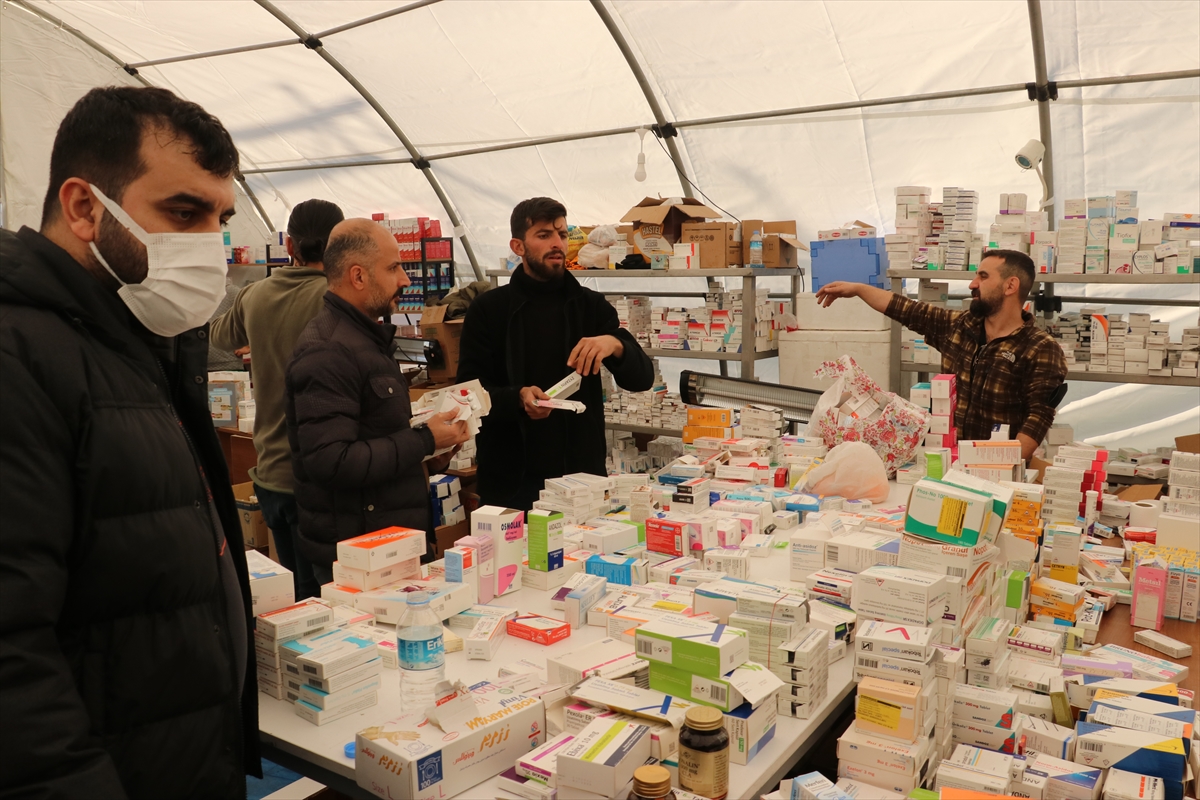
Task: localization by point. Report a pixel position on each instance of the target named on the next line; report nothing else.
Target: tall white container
(801, 353)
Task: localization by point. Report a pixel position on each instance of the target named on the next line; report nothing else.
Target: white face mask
(185, 279)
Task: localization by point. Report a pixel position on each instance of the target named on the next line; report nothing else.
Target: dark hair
(344, 249)
(100, 139)
(534, 210)
(1015, 263)
(309, 227)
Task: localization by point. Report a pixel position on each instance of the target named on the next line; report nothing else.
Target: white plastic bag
(592, 256)
(852, 470)
(603, 236)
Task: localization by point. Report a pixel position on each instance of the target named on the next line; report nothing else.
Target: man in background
(267, 316)
(1008, 370)
(522, 338)
(126, 658)
(358, 462)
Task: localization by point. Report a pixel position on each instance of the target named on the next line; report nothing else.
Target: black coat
(117, 663)
(357, 462)
(493, 350)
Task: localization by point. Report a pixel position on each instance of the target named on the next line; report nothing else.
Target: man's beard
(121, 249)
(983, 308)
(544, 271)
(380, 300)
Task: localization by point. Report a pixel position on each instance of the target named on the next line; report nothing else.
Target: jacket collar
(36, 272)
(522, 283)
(383, 334)
(976, 325)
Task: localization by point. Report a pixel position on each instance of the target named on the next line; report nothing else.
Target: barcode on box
(483, 526)
(718, 694)
(831, 554)
(316, 621)
(645, 647)
(869, 663)
(1092, 747)
(956, 572)
(308, 668)
(381, 611)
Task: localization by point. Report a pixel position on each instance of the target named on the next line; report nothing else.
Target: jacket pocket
(387, 386)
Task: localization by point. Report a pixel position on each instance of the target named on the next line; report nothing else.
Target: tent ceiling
(463, 74)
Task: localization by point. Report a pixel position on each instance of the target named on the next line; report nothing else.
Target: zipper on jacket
(221, 542)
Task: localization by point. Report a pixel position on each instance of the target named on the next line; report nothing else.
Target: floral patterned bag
(855, 409)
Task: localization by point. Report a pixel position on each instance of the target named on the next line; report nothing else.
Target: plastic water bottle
(422, 654)
(756, 250)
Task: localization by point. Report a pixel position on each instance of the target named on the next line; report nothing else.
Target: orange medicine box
(715, 417)
(889, 709)
(381, 548)
(539, 629)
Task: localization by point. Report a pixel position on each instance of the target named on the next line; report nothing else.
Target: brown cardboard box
(720, 243)
(779, 252)
(657, 223)
(446, 535)
(448, 333)
(254, 527)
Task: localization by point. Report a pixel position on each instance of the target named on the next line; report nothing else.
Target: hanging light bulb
(639, 174)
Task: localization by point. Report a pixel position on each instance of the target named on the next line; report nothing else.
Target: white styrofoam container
(801, 353)
(846, 314)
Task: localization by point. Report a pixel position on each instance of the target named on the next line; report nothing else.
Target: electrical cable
(683, 172)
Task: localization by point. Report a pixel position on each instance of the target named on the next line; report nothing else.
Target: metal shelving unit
(644, 429)
(1044, 287)
(1104, 377)
(749, 284)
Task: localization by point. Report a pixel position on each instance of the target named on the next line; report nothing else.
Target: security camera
(1031, 154)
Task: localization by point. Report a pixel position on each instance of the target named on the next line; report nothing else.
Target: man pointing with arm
(1007, 370)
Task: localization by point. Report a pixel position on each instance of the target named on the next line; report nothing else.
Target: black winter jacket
(117, 663)
(493, 350)
(357, 462)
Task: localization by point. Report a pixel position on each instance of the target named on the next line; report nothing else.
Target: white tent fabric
(464, 74)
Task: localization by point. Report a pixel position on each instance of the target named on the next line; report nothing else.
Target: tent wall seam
(748, 117)
(104, 51)
(314, 44)
(640, 76)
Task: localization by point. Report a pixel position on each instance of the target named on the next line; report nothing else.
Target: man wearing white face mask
(126, 663)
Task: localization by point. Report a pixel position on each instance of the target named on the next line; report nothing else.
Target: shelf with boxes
(1101, 240)
(752, 314)
(427, 256)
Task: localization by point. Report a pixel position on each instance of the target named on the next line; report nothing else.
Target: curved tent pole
(665, 130)
(104, 51)
(1043, 97)
(314, 44)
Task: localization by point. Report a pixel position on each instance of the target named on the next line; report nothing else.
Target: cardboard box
(448, 334)
(366, 581)
(602, 758)
(538, 629)
(407, 758)
(703, 648)
(545, 535)
(381, 548)
(946, 513)
(461, 567)
(781, 248)
(657, 224)
(307, 616)
(750, 729)
(896, 593)
(623, 697)
(720, 243)
(271, 586)
(254, 527)
(888, 709)
(506, 527)
(485, 552)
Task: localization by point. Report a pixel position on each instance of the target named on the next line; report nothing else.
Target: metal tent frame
(1042, 90)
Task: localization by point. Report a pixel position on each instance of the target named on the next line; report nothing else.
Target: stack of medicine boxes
(334, 673)
(444, 496)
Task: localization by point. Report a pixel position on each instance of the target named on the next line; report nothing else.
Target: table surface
(324, 746)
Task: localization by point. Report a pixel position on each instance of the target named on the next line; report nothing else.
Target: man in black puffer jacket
(126, 664)
(521, 339)
(358, 463)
